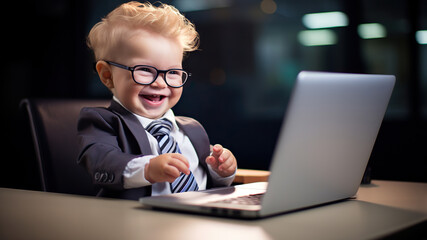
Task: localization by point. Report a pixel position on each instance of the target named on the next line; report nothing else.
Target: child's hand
(222, 161)
(166, 167)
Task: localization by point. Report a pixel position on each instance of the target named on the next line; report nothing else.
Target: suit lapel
(133, 125)
(198, 137)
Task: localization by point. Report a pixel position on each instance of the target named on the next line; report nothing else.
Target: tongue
(153, 98)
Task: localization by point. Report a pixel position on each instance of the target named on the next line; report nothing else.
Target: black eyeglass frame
(132, 69)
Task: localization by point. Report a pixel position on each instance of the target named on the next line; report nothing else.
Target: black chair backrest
(53, 124)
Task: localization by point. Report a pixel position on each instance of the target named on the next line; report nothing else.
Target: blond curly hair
(163, 19)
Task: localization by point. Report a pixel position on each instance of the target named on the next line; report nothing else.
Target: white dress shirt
(134, 172)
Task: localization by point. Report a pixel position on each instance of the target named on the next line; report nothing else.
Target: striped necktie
(160, 129)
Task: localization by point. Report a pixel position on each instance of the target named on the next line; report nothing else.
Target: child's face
(146, 48)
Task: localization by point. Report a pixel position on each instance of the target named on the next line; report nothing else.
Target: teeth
(154, 98)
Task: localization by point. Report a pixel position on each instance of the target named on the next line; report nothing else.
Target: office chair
(53, 125)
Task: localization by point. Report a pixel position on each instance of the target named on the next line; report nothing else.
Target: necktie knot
(160, 128)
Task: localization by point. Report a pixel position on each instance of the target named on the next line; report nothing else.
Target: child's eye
(145, 69)
(175, 72)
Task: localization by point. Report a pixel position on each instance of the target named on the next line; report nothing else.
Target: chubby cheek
(175, 96)
(129, 97)
(134, 97)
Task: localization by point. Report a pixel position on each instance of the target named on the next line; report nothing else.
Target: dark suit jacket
(111, 137)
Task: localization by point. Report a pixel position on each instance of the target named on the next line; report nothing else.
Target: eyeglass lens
(146, 75)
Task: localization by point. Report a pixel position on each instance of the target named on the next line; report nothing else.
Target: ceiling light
(421, 36)
(317, 37)
(325, 20)
(371, 30)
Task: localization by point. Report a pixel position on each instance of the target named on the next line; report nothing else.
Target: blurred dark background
(251, 52)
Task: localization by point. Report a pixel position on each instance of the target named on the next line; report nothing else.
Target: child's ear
(105, 74)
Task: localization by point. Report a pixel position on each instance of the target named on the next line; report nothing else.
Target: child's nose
(160, 81)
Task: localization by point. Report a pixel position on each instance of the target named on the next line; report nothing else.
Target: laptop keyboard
(254, 199)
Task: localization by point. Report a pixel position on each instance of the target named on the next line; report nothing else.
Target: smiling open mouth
(153, 98)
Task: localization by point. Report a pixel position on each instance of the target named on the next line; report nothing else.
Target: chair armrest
(250, 176)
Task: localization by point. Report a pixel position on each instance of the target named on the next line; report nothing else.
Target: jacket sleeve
(101, 150)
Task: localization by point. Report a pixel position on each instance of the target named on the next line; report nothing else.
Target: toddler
(137, 146)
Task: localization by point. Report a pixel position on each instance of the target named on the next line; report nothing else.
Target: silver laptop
(323, 148)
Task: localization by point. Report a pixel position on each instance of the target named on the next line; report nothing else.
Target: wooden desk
(250, 176)
(381, 209)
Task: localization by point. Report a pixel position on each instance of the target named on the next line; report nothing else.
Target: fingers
(227, 163)
(213, 159)
(220, 153)
(166, 167)
(217, 151)
(170, 174)
(222, 161)
(212, 162)
(180, 163)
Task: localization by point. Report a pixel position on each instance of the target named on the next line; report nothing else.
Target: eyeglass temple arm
(114, 64)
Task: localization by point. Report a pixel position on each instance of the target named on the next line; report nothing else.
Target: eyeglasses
(146, 75)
